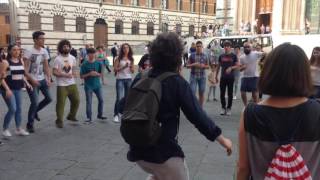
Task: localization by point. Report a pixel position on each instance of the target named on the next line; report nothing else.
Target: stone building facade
(5, 37)
(107, 21)
(285, 17)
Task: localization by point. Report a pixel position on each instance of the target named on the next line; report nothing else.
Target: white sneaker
(228, 112)
(116, 119)
(22, 132)
(234, 97)
(6, 133)
(120, 116)
(223, 112)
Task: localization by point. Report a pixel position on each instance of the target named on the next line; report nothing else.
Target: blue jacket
(176, 95)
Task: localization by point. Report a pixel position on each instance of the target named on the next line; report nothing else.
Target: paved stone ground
(97, 151)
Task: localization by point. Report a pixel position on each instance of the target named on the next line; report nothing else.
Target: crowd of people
(288, 114)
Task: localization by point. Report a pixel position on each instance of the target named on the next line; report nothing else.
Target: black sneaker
(30, 128)
(102, 117)
(88, 121)
(1, 143)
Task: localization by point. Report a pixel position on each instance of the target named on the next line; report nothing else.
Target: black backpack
(139, 125)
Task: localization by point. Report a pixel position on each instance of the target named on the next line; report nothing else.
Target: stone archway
(100, 32)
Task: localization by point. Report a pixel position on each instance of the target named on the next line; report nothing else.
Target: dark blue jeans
(122, 87)
(98, 93)
(14, 108)
(35, 107)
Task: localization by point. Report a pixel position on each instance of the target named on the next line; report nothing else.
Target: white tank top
(124, 73)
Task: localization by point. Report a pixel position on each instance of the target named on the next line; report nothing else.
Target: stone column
(277, 17)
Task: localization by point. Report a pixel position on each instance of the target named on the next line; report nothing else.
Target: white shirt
(315, 74)
(124, 73)
(65, 65)
(251, 63)
(36, 58)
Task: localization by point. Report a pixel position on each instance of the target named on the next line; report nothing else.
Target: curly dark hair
(121, 53)
(166, 52)
(61, 44)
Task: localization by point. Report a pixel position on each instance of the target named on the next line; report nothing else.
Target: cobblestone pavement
(97, 151)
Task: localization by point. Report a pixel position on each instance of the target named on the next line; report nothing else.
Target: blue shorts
(200, 82)
(249, 84)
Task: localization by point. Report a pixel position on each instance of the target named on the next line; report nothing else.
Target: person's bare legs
(255, 96)
(244, 98)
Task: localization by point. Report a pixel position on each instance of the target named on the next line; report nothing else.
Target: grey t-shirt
(251, 63)
(36, 58)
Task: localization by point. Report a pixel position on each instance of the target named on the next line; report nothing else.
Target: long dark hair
(313, 60)
(121, 53)
(9, 56)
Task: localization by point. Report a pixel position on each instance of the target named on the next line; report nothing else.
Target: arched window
(150, 28)
(165, 27)
(118, 27)
(135, 27)
(191, 30)
(203, 28)
(34, 21)
(80, 24)
(178, 29)
(58, 23)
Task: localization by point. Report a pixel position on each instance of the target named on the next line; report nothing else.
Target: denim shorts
(249, 84)
(198, 81)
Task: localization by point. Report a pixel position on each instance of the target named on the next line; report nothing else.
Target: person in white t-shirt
(64, 69)
(249, 66)
(124, 69)
(39, 76)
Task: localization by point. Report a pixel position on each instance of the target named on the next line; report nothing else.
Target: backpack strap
(165, 75)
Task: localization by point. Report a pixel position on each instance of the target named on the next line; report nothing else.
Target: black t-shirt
(226, 61)
(144, 62)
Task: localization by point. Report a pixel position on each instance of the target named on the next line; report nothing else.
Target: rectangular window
(135, 2)
(8, 39)
(7, 19)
